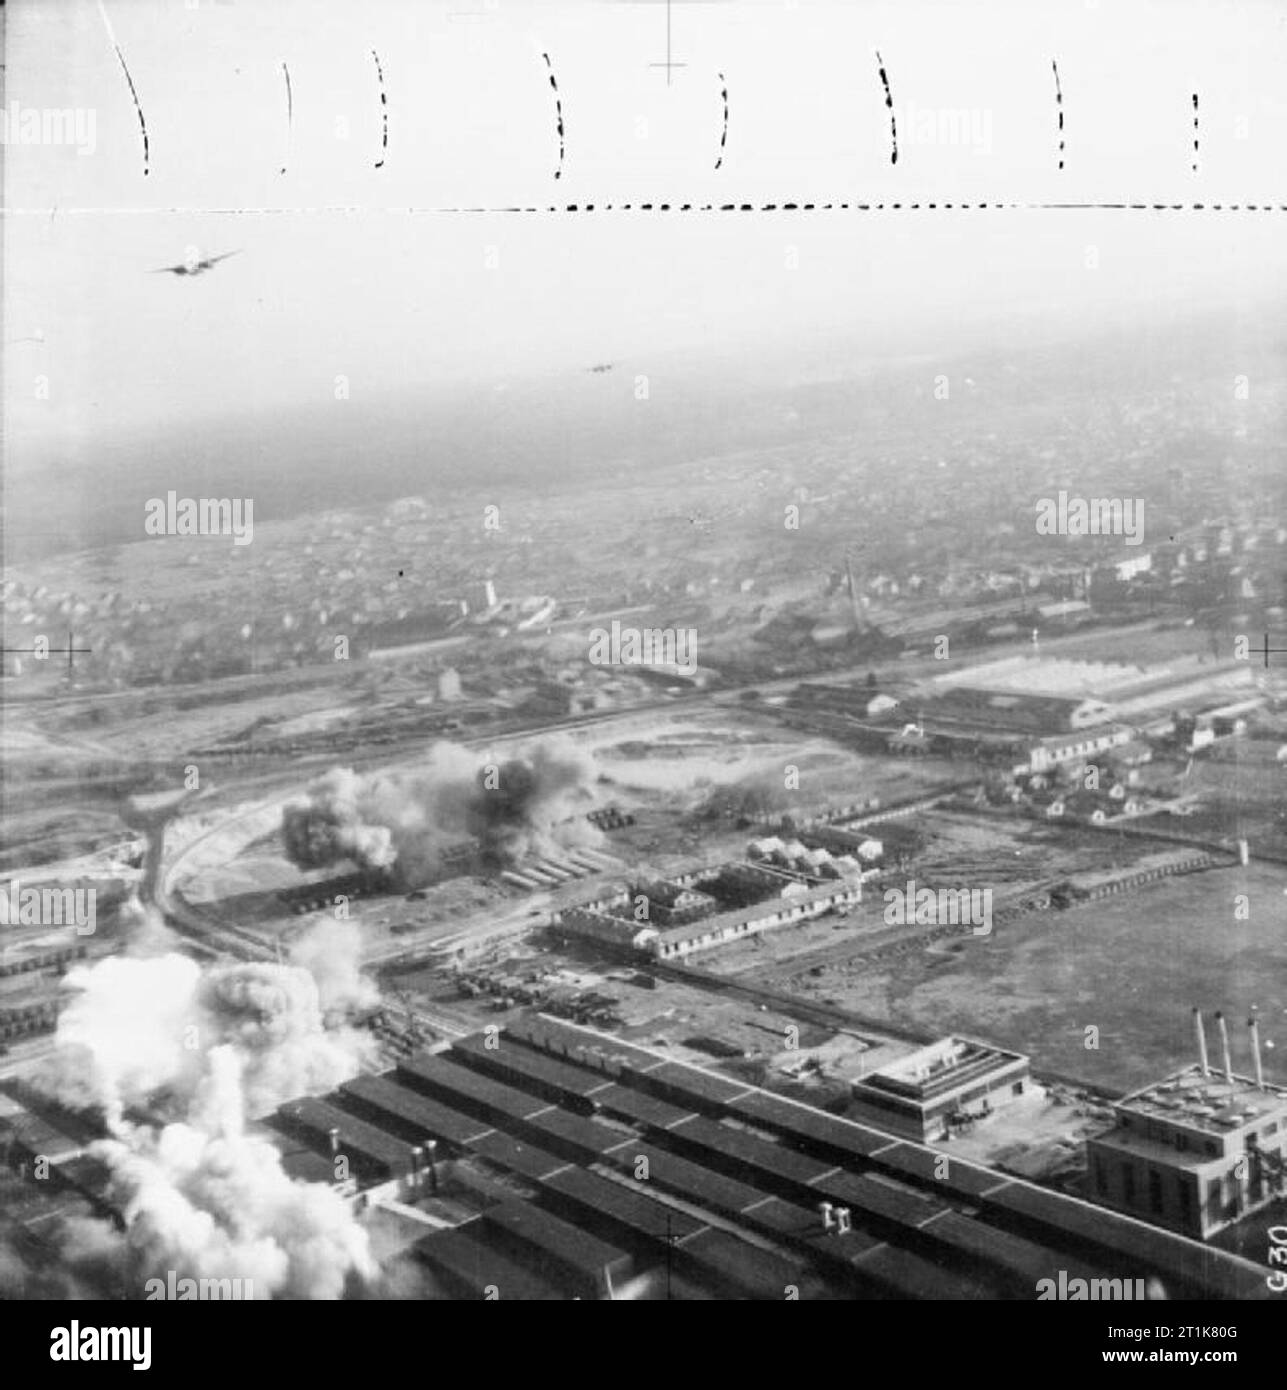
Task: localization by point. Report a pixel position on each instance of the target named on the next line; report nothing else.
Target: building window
(1155, 1191)
(1128, 1184)
(1017, 1089)
(1186, 1200)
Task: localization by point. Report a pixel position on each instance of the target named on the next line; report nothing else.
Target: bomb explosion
(200, 1194)
(409, 822)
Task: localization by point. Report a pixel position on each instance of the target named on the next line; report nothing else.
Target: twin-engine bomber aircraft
(194, 265)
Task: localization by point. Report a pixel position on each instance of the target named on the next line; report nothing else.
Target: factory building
(671, 904)
(33, 1128)
(1015, 711)
(612, 921)
(747, 1192)
(895, 839)
(479, 597)
(940, 1087)
(609, 928)
(1197, 1151)
(697, 911)
(724, 927)
(1046, 753)
(1134, 692)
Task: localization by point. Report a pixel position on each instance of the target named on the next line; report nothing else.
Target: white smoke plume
(272, 1015)
(209, 1201)
(201, 1196)
(123, 1034)
(532, 802)
(138, 1026)
(332, 954)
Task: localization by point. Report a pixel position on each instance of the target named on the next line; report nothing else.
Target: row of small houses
(1094, 806)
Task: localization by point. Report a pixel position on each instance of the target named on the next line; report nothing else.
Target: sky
(348, 272)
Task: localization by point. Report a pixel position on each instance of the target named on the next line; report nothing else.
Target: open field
(1131, 966)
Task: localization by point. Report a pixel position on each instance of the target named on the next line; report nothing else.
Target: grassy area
(1132, 966)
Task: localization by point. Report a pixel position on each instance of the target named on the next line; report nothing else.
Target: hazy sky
(337, 277)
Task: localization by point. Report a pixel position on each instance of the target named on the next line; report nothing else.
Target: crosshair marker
(668, 65)
(70, 649)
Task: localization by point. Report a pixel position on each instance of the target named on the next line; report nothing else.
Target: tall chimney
(1254, 1027)
(1224, 1047)
(826, 1209)
(432, 1146)
(1202, 1043)
(853, 597)
(842, 1220)
(334, 1136)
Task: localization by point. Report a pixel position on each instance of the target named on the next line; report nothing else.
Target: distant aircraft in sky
(194, 265)
(601, 367)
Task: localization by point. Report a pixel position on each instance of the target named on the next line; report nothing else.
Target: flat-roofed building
(1016, 711)
(724, 927)
(926, 1093)
(1046, 753)
(1195, 1152)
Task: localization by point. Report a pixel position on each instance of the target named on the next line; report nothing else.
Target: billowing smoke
(754, 797)
(524, 805)
(334, 824)
(414, 821)
(332, 954)
(200, 1196)
(272, 1015)
(204, 1198)
(138, 1026)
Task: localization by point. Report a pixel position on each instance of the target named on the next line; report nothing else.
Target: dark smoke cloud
(331, 825)
(411, 822)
